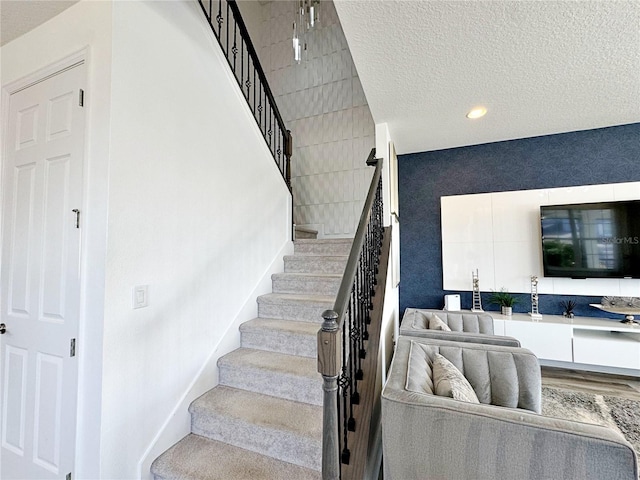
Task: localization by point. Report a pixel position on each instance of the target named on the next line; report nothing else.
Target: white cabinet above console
(581, 343)
(499, 234)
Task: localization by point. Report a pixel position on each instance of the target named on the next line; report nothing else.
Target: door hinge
(72, 350)
(81, 98)
(68, 476)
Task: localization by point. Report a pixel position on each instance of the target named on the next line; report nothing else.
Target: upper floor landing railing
(226, 22)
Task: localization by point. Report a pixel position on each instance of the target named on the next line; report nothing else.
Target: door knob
(3, 328)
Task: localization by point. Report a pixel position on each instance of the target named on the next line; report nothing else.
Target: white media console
(581, 343)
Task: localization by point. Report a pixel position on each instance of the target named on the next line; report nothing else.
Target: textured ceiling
(539, 67)
(19, 16)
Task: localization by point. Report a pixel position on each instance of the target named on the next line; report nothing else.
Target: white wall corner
(390, 317)
(391, 314)
(388, 330)
(382, 151)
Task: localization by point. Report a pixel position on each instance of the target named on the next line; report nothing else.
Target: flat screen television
(591, 240)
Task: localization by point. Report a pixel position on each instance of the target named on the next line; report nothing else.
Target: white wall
(197, 211)
(323, 104)
(499, 234)
(84, 25)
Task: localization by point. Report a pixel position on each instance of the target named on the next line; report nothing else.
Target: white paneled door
(40, 276)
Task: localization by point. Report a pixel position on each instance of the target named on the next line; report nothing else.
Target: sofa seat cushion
(448, 381)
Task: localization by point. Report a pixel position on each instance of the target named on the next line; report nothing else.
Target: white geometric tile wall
(322, 102)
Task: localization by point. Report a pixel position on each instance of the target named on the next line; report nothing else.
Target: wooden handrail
(347, 346)
(360, 453)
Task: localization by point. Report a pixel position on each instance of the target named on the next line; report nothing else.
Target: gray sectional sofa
(426, 436)
(465, 327)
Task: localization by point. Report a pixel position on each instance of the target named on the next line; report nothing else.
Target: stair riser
(289, 343)
(286, 446)
(313, 264)
(342, 248)
(306, 235)
(303, 313)
(300, 389)
(305, 285)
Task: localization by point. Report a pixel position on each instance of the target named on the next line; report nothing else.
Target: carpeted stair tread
(262, 410)
(306, 283)
(285, 336)
(315, 263)
(288, 306)
(283, 429)
(198, 458)
(276, 362)
(328, 241)
(330, 246)
(280, 375)
(321, 276)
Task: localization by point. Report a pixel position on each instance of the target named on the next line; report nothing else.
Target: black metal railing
(229, 28)
(343, 338)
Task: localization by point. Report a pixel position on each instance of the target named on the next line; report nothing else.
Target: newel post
(329, 368)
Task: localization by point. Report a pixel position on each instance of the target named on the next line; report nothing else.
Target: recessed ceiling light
(477, 112)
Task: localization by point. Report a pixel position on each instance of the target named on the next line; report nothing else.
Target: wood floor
(597, 383)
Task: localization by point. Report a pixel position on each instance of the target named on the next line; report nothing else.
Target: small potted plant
(504, 299)
(568, 306)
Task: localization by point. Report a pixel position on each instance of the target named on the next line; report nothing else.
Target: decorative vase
(506, 310)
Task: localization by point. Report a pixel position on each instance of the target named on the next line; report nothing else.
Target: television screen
(591, 240)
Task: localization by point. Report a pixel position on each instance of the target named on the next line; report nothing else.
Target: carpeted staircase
(264, 419)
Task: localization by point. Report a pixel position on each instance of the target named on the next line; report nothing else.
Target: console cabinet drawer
(546, 340)
(612, 349)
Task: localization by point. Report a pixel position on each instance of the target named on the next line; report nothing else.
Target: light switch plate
(140, 296)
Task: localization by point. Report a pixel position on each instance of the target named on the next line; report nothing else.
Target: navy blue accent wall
(606, 155)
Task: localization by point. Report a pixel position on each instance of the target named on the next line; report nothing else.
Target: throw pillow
(436, 323)
(448, 381)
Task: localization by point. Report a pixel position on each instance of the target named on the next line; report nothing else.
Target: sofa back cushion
(506, 377)
(456, 321)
